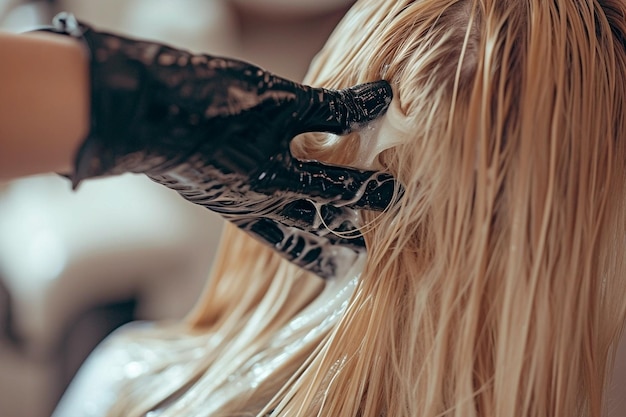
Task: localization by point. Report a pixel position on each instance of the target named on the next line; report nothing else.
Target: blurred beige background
(74, 266)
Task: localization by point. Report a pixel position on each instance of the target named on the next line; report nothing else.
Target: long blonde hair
(496, 286)
(500, 274)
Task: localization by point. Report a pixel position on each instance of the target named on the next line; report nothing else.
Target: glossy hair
(496, 286)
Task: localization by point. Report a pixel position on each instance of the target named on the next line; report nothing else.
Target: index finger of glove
(342, 111)
(323, 183)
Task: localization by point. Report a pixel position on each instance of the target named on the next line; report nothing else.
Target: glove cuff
(130, 127)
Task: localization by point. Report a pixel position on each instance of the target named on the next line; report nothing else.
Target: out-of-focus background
(76, 265)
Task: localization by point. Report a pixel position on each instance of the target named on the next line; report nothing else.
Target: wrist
(45, 107)
(70, 76)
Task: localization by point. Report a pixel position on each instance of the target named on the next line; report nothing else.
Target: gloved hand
(217, 131)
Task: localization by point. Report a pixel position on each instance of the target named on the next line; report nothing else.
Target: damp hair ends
(496, 286)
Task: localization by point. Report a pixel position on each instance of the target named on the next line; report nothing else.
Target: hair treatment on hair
(495, 287)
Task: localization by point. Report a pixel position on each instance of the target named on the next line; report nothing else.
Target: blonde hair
(495, 287)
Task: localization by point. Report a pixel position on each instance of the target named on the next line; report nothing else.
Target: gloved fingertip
(372, 99)
(380, 193)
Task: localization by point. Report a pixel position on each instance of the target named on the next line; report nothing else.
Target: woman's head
(495, 286)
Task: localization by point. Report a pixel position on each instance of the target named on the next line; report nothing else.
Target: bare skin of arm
(44, 103)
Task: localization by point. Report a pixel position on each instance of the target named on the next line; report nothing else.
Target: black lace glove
(217, 131)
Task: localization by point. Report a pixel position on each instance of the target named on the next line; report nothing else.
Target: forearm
(44, 103)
